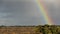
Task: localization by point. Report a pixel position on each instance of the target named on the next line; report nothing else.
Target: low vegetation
(40, 29)
(47, 29)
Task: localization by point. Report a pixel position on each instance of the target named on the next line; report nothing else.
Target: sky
(25, 12)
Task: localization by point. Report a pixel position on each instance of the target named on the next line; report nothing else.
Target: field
(17, 30)
(40, 29)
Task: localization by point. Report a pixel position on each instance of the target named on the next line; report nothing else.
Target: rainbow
(44, 12)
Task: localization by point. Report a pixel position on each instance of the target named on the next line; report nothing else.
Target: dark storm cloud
(25, 12)
(18, 12)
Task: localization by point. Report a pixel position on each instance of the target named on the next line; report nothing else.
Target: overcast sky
(26, 12)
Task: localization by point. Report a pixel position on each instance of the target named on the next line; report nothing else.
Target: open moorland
(40, 29)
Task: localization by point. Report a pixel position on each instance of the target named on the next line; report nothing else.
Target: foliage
(48, 29)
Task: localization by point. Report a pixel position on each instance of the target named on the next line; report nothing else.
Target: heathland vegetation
(40, 29)
(47, 29)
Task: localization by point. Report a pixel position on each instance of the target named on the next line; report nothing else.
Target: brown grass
(17, 30)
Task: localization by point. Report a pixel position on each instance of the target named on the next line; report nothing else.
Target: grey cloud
(54, 11)
(21, 12)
